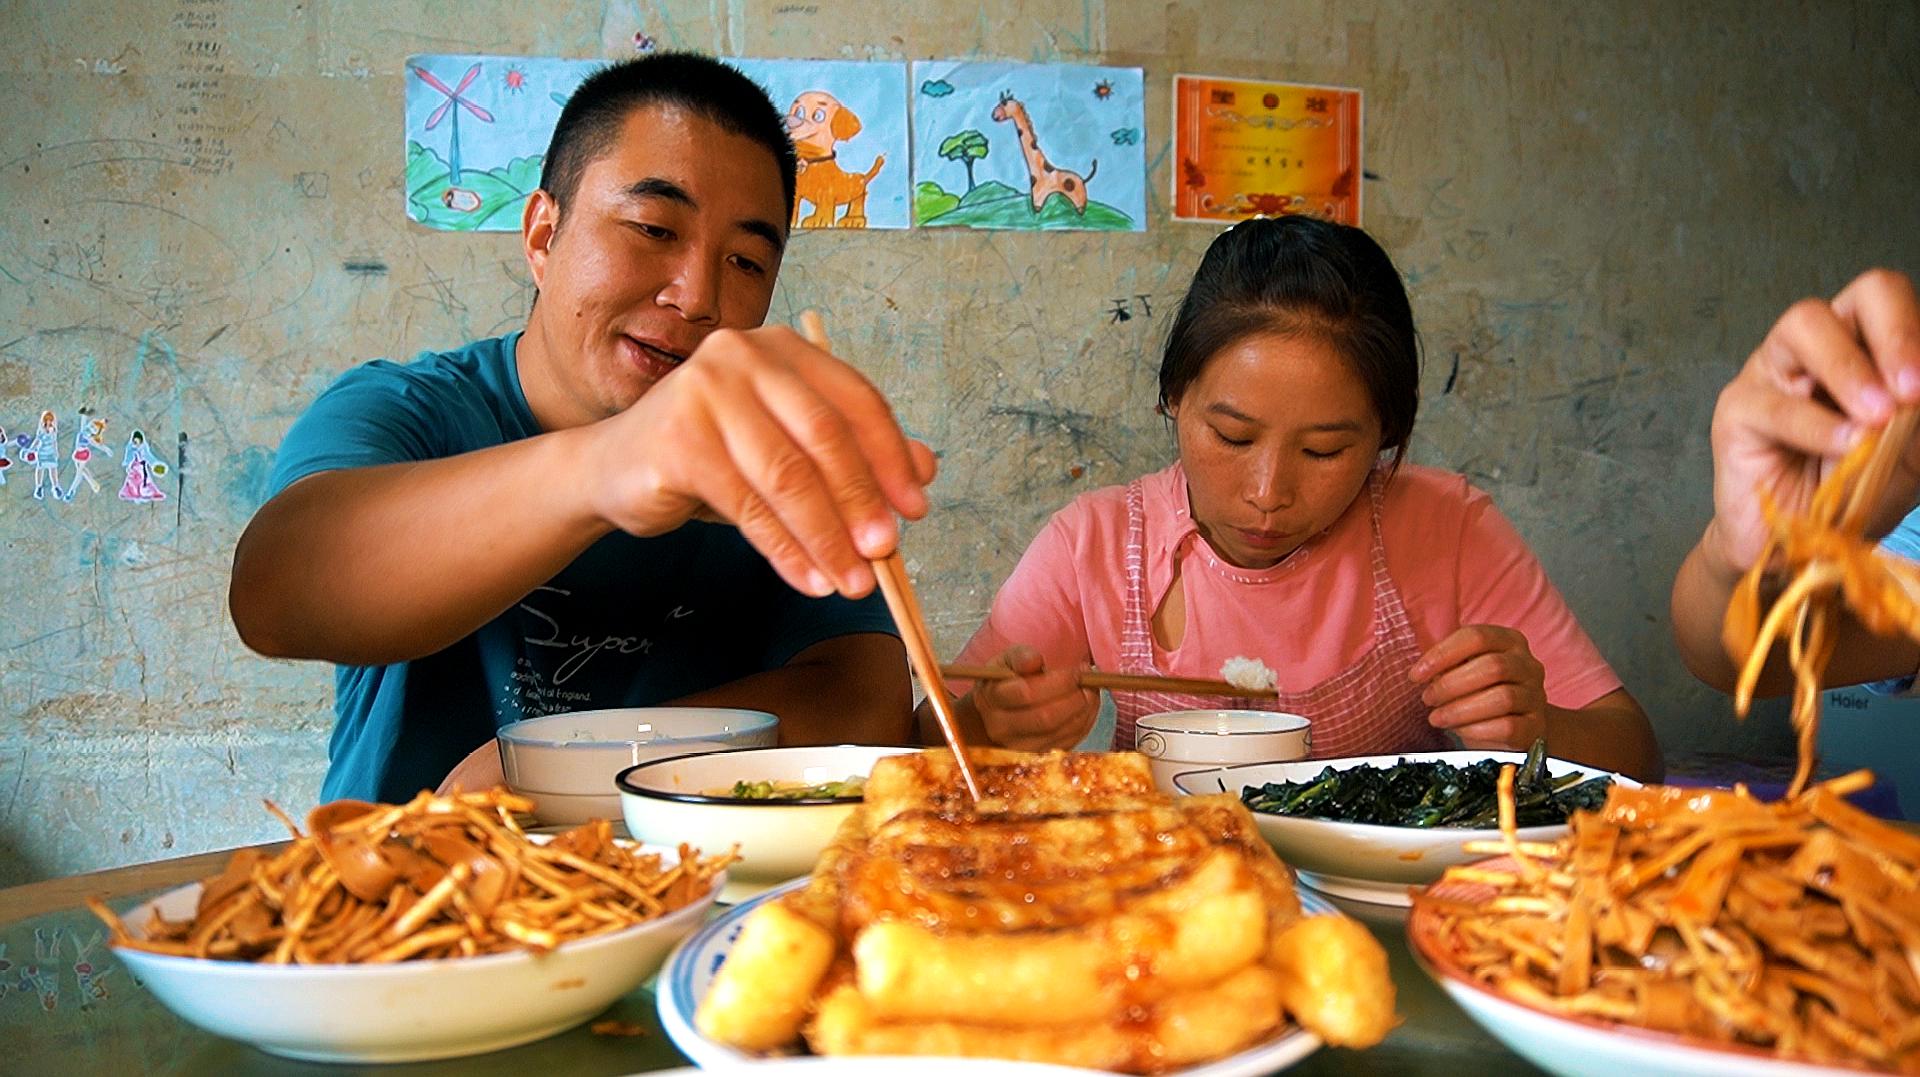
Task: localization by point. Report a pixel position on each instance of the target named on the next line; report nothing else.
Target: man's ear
(539, 224)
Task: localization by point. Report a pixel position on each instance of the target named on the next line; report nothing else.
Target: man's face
(675, 230)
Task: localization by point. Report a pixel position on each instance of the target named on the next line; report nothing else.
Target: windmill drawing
(447, 109)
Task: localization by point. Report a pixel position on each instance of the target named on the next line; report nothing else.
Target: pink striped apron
(1370, 708)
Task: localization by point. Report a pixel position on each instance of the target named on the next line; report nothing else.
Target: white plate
(683, 983)
(1570, 1049)
(407, 1010)
(1584, 1047)
(1360, 860)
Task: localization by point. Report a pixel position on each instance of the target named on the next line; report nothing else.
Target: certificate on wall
(1244, 148)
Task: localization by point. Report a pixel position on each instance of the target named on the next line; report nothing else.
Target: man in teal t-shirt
(523, 525)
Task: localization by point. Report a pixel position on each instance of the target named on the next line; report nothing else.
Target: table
(68, 1007)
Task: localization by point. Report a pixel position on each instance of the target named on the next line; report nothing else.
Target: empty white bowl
(566, 763)
(1178, 741)
(407, 1010)
(674, 800)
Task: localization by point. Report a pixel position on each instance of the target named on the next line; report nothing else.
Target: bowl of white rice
(1178, 741)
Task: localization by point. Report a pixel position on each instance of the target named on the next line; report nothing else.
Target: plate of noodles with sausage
(403, 932)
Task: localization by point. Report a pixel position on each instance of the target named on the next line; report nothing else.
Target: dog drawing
(818, 123)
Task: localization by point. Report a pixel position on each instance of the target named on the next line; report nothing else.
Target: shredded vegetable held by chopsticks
(1830, 568)
(440, 876)
(1792, 926)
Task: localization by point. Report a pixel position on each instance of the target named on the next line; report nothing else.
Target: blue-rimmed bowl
(566, 763)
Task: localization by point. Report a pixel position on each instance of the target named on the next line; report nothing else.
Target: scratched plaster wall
(1599, 207)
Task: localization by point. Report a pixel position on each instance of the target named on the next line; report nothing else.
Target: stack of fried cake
(1075, 915)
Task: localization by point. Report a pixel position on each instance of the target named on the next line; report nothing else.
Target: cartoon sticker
(142, 468)
(86, 445)
(42, 453)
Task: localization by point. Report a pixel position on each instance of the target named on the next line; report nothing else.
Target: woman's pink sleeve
(1502, 583)
(1040, 605)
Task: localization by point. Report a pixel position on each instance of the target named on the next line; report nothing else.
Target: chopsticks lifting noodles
(1125, 682)
(1830, 568)
(891, 573)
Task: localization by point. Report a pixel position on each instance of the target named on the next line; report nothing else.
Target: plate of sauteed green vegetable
(1369, 827)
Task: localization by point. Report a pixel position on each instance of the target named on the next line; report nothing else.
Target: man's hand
(768, 432)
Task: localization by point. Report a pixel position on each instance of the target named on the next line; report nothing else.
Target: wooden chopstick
(898, 589)
(1126, 682)
(891, 573)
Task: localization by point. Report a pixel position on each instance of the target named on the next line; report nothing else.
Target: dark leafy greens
(1431, 794)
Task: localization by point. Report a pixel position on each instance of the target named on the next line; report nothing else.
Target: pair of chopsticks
(1125, 682)
(891, 572)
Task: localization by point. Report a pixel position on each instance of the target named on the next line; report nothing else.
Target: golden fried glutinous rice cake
(1075, 915)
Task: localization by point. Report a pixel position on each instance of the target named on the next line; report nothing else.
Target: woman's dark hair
(591, 120)
(1303, 276)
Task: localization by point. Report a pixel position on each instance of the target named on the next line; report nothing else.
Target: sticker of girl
(43, 452)
(90, 977)
(86, 442)
(142, 468)
(6, 455)
(43, 976)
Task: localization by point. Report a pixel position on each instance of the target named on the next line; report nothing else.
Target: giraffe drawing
(1043, 179)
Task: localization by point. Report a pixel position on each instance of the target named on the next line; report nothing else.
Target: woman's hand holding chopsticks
(1037, 708)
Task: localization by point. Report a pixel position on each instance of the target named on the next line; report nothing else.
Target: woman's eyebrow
(1342, 426)
(1221, 407)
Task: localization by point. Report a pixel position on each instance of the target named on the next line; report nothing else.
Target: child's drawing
(43, 454)
(142, 468)
(86, 444)
(1038, 145)
(848, 122)
(477, 133)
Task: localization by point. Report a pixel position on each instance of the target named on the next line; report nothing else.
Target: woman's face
(1277, 436)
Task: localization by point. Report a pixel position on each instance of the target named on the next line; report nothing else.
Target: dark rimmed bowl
(669, 800)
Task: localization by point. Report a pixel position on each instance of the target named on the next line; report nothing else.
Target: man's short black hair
(591, 120)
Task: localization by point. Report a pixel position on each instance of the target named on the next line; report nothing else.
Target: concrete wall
(1599, 206)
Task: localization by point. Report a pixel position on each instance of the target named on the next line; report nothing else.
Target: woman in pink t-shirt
(1396, 605)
